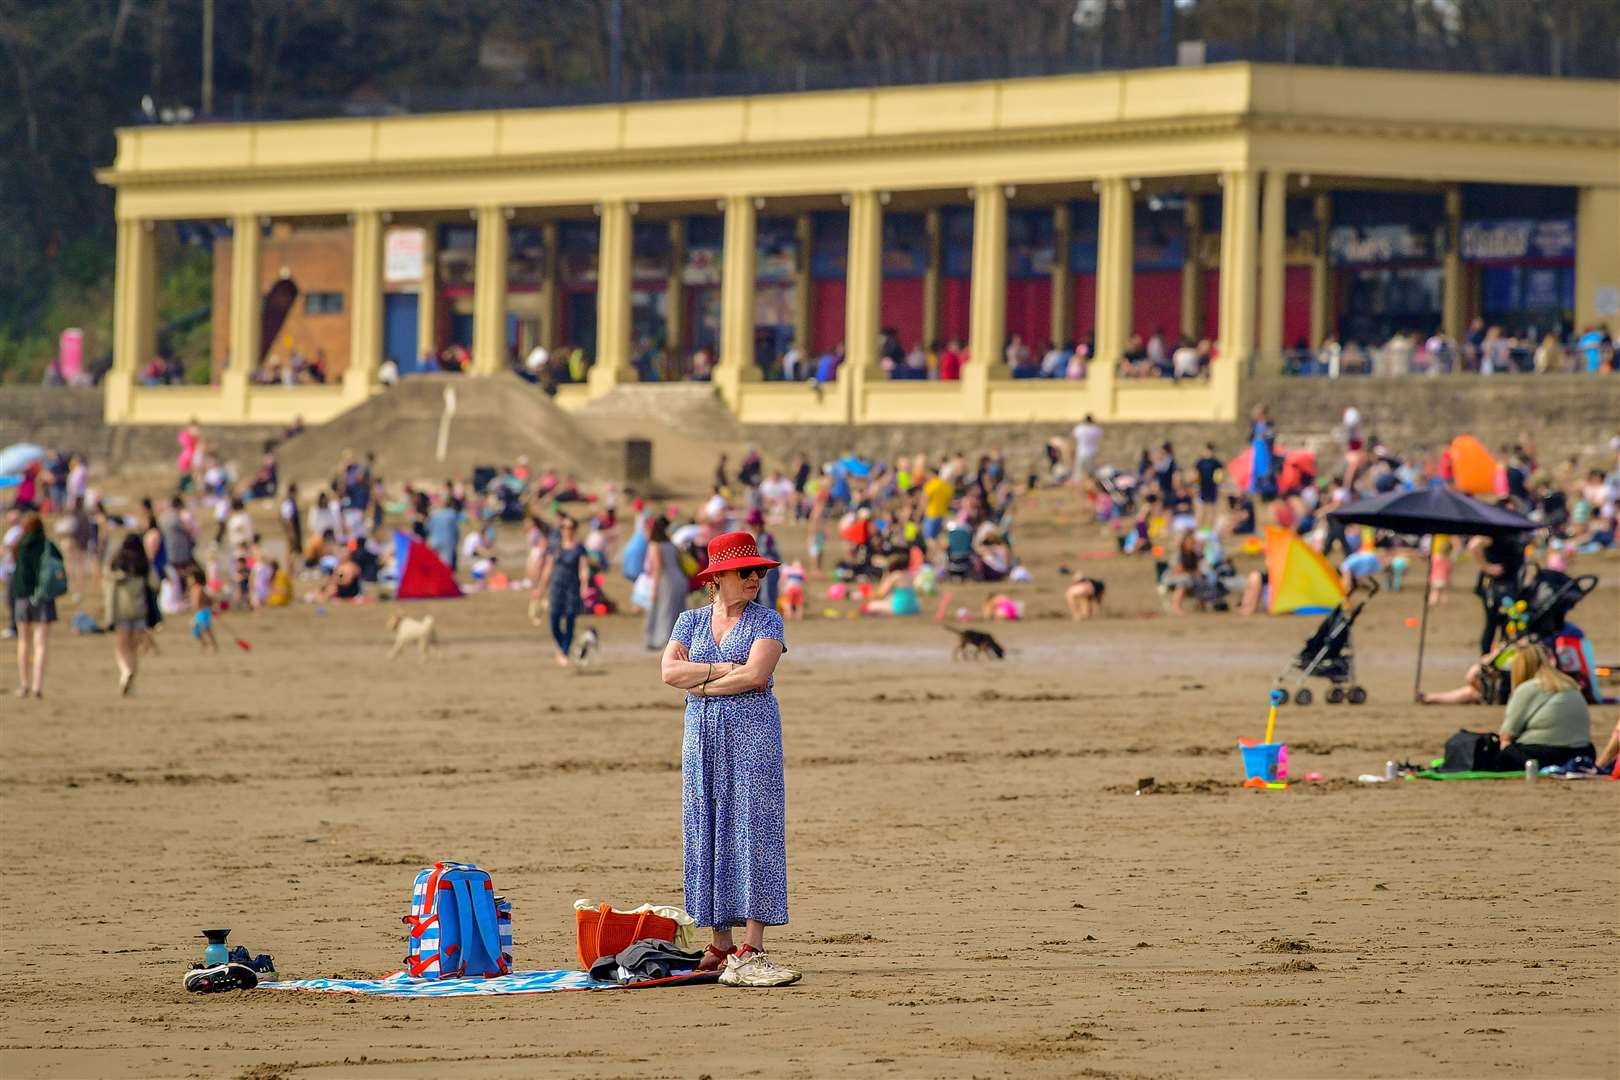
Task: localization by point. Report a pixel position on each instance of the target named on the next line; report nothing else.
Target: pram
(1117, 491)
(958, 552)
(1548, 599)
(1330, 654)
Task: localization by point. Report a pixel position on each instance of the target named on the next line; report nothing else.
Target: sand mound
(496, 419)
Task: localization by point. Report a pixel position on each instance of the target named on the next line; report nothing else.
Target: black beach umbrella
(1424, 512)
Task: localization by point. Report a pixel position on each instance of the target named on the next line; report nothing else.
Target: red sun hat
(734, 551)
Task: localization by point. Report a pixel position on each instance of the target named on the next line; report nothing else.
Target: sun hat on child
(734, 551)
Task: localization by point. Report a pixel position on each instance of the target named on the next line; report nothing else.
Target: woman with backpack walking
(724, 656)
(40, 577)
(128, 589)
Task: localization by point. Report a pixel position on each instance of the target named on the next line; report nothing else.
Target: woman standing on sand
(34, 612)
(724, 655)
(663, 566)
(127, 586)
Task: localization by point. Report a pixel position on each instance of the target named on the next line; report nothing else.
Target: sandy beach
(976, 888)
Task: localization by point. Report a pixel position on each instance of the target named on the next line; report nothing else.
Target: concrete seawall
(1565, 414)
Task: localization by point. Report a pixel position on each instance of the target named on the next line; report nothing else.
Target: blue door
(399, 329)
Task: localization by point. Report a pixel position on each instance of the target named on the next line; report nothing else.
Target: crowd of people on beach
(875, 537)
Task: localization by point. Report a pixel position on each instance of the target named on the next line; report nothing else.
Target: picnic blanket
(518, 982)
(1433, 774)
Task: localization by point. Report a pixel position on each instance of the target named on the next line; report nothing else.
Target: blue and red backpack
(457, 926)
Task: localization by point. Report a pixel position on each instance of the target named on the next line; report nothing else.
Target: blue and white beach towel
(400, 984)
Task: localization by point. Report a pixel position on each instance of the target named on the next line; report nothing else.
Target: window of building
(323, 303)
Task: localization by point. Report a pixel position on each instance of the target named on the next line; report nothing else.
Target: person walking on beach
(663, 566)
(32, 608)
(566, 575)
(724, 655)
(202, 607)
(292, 526)
(126, 591)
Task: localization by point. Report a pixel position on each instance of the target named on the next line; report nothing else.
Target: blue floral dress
(733, 802)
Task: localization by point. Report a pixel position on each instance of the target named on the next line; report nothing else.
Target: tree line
(72, 71)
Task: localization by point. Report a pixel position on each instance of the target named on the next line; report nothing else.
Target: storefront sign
(402, 255)
(1518, 238)
(1369, 245)
(702, 266)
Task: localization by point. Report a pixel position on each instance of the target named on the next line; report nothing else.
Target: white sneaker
(756, 969)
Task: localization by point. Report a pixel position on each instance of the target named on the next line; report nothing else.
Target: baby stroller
(1329, 654)
(1547, 601)
(958, 552)
(1118, 493)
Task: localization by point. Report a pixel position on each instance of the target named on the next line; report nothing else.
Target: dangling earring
(711, 592)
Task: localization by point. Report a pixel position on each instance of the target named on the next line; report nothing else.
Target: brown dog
(976, 645)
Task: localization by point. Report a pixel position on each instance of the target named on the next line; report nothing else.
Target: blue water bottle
(217, 952)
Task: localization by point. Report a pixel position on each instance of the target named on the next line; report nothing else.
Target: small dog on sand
(408, 631)
(589, 645)
(975, 645)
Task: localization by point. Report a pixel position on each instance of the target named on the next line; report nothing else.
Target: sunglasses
(750, 573)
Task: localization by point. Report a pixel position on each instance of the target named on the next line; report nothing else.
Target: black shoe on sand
(221, 977)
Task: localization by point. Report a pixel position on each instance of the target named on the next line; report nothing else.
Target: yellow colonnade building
(1232, 149)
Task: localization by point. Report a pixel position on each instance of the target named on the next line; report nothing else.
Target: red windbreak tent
(422, 574)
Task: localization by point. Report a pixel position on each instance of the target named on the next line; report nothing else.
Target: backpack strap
(476, 906)
(461, 888)
(417, 965)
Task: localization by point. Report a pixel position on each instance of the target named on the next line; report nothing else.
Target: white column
(736, 363)
(247, 315)
(988, 301)
(1240, 235)
(612, 364)
(427, 294)
(1273, 268)
(933, 274)
(134, 322)
(1062, 283)
(1321, 272)
(490, 354)
(1597, 258)
(1192, 271)
(1116, 282)
(863, 299)
(365, 307)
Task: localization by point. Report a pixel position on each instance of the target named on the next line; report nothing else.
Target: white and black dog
(587, 647)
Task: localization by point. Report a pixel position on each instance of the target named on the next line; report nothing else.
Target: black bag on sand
(1470, 751)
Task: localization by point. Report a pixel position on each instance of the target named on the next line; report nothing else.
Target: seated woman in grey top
(1547, 719)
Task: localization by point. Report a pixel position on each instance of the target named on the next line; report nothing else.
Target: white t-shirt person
(1087, 441)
